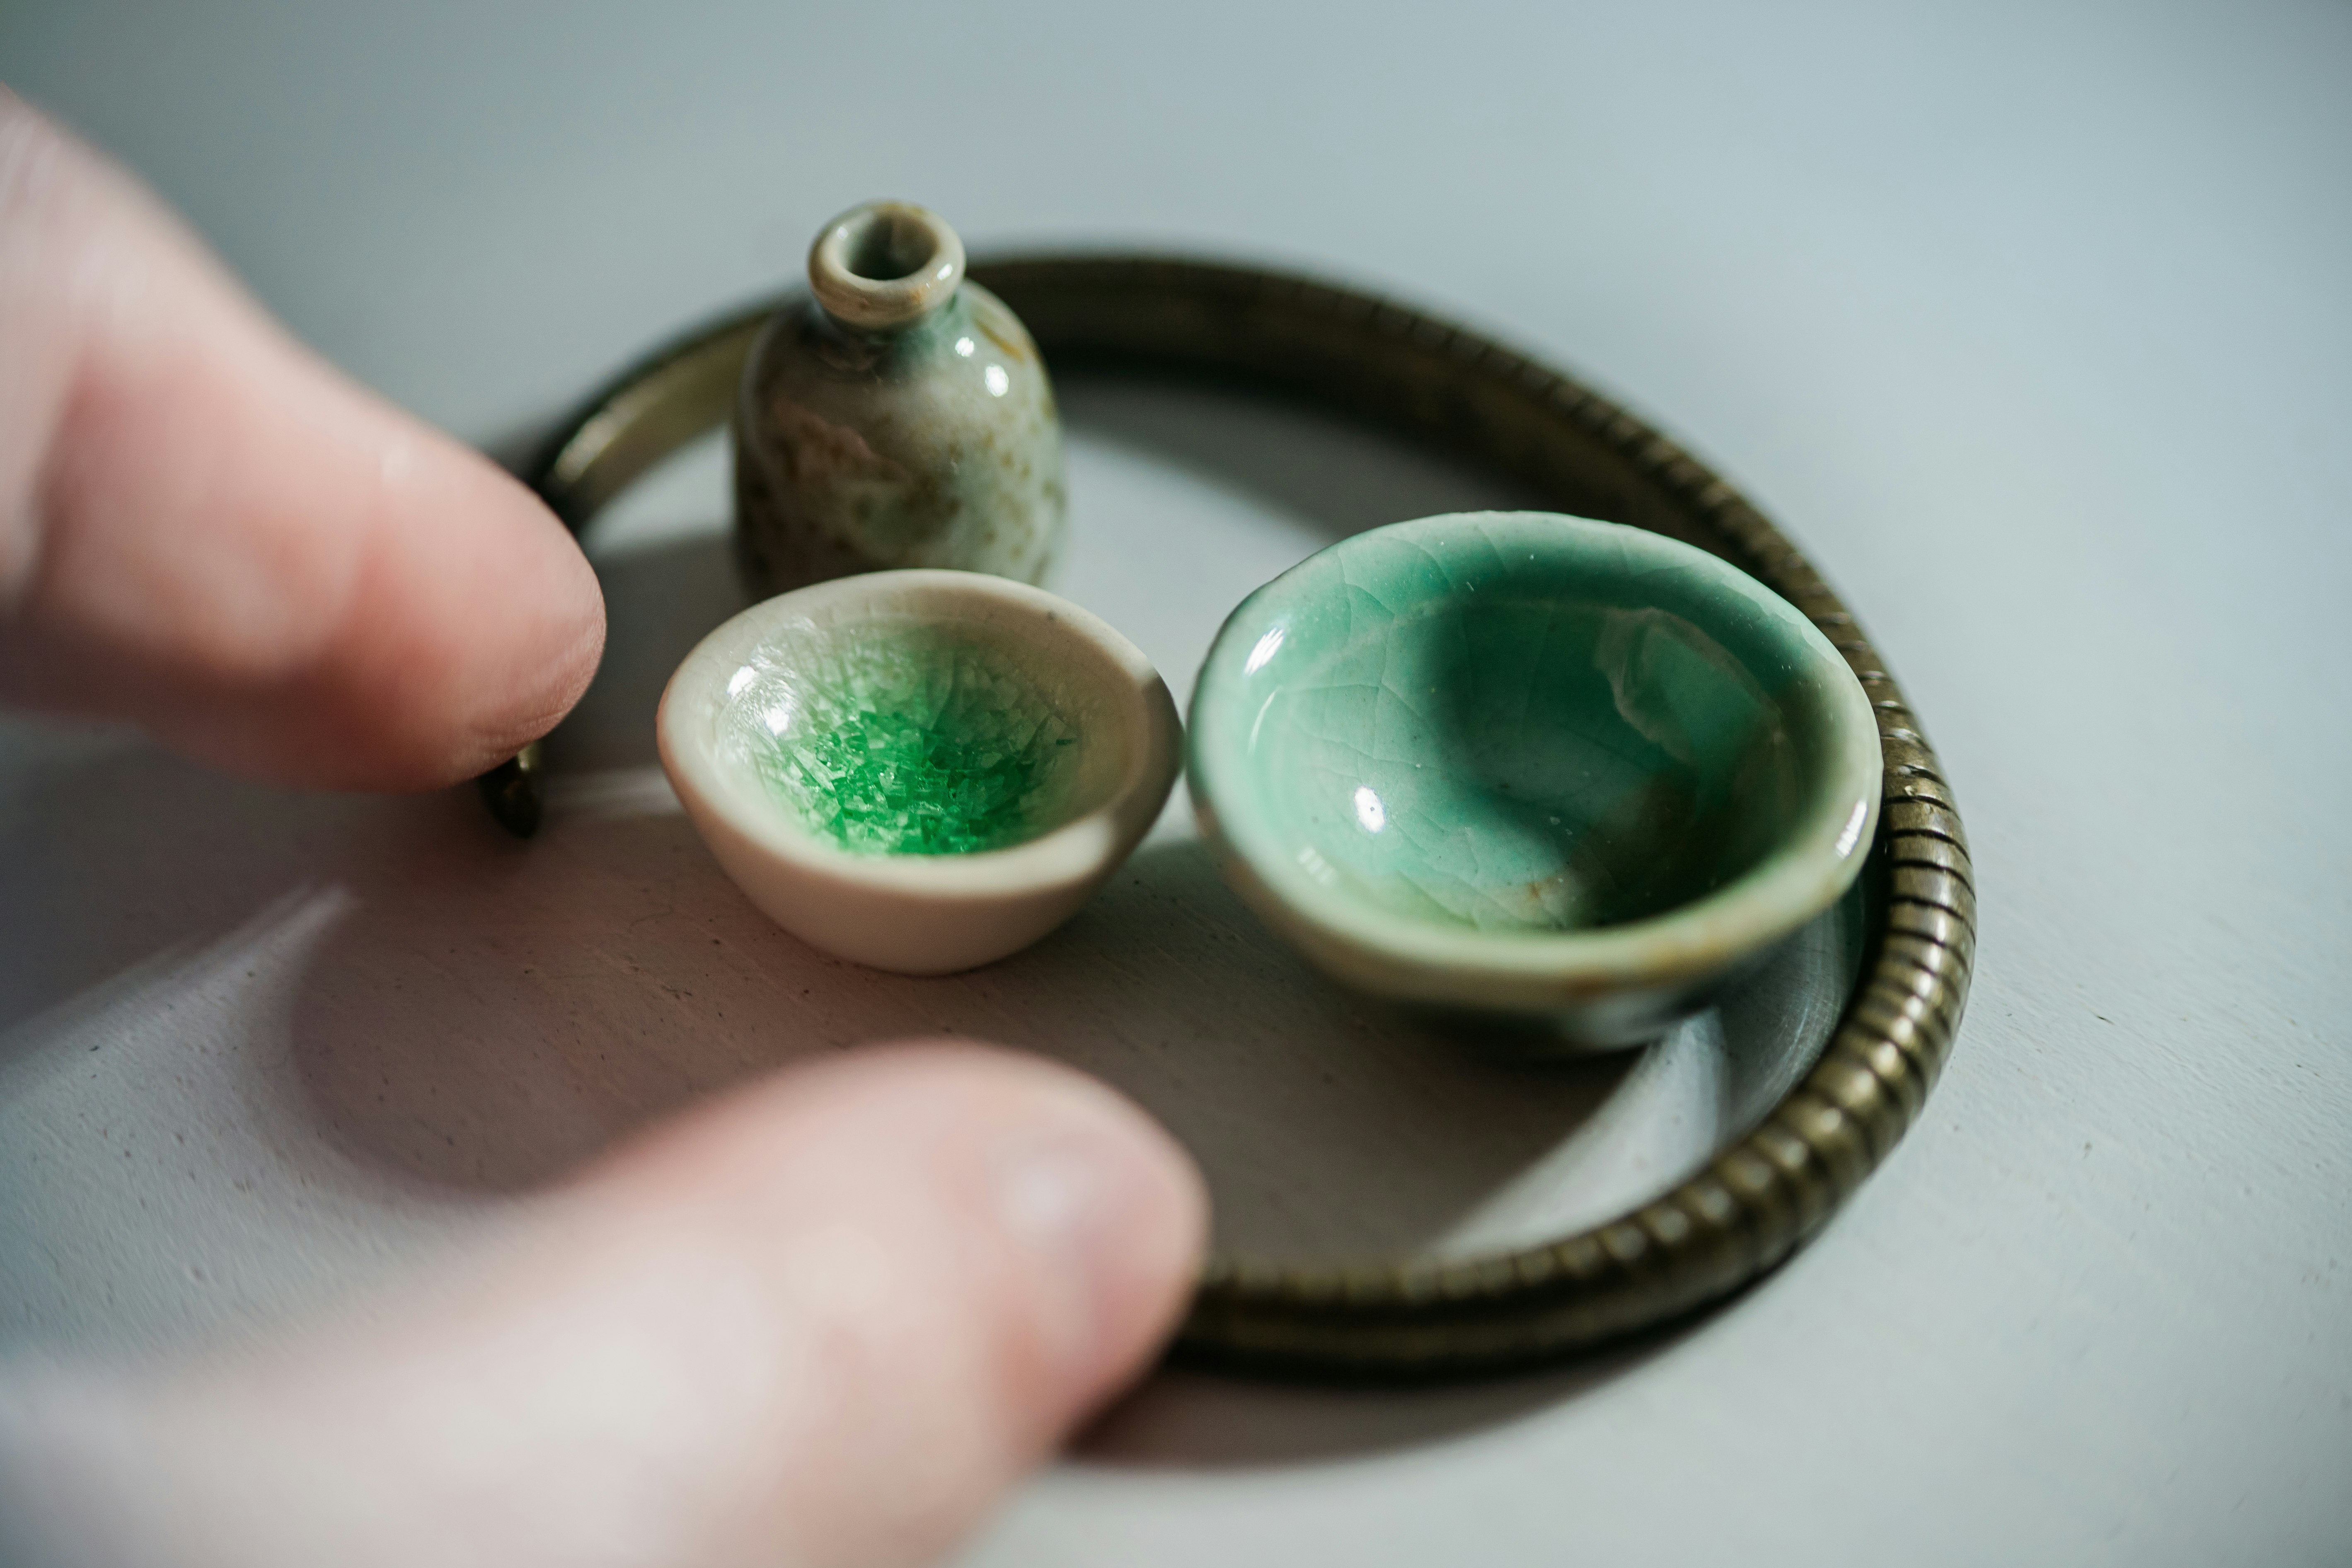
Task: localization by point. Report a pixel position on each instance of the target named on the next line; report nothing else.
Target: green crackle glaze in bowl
(1523, 765)
(922, 770)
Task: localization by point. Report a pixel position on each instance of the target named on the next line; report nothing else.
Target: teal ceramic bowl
(1528, 764)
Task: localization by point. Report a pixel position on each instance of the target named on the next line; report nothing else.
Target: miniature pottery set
(1501, 764)
(1566, 780)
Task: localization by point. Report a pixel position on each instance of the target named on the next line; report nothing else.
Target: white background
(2033, 325)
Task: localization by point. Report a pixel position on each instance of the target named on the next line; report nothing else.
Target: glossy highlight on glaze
(905, 741)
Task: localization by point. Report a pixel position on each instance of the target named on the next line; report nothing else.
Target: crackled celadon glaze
(895, 416)
(1533, 763)
(905, 739)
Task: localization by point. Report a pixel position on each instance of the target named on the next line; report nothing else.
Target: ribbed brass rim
(1438, 384)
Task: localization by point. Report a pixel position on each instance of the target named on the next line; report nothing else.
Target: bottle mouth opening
(887, 244)
(883, 267)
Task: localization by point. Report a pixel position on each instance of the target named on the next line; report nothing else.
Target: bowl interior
(925, 726)
(1513, 724)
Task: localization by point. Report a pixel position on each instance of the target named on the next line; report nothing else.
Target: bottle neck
(882, 268)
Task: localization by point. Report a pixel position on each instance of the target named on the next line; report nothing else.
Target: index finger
(205, 529)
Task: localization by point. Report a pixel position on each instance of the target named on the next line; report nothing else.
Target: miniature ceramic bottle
(896, 416)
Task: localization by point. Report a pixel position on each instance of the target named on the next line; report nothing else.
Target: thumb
(826, 1321)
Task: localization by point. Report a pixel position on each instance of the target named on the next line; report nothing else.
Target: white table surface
(2034, 329)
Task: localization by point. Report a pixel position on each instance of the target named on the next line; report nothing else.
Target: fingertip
(1110, 1211)
(986, 1245)
(1082, 1217)
(477, 624)
(211, 532)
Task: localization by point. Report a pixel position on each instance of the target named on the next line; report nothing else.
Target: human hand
(826, 1320)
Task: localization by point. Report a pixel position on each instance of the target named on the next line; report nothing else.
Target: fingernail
(1107, 1208)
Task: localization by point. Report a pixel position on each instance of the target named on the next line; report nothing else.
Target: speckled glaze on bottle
(895, 416)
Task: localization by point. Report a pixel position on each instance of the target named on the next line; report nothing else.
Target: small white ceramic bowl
(921, 771)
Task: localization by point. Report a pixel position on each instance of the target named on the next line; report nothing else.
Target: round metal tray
(1431, 382)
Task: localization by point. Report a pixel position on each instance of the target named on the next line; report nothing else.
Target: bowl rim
(1807, 871)
(1064, 857)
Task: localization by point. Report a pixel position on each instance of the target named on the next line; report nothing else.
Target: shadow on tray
(607, 973)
